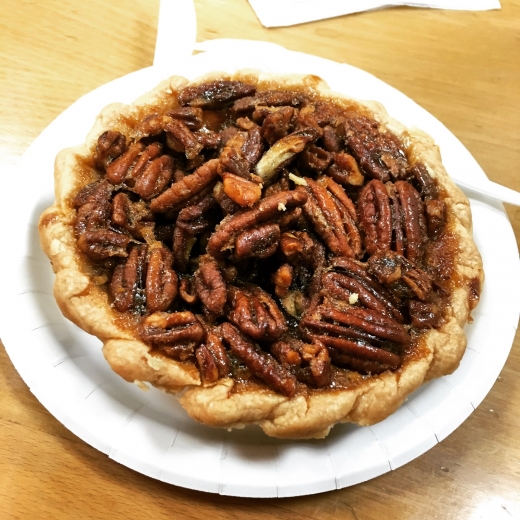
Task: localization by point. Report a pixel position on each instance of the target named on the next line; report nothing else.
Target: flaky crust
(83, 299)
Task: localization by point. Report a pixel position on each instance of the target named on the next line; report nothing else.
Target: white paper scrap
(280, 13)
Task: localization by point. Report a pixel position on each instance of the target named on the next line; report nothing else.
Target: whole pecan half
(375, 217)
(342, 359)
(100, 244)
(181, 139)
(260, 363)
(176, 334)
(210, 286)
(127, 285)
(269, 98)
(366, 320)
(186, 188)
(191, 116)
(192, 220)
(207, 365)
(215, 93)
(213, 359)
(379, 154)
(93, 207)
(110, 145)
(350, 278)
(118, 170)
(414, 223)
(161, 280)
(260, 242)
(333, 216)
(392, 217)
(256, 314)
(155, 177)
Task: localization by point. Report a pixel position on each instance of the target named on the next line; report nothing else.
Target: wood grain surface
(463, 67)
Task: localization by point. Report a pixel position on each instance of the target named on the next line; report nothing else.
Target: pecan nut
(256, 314)
(155, 177)
(333, 216)
(310, 363)
(375, 217)
(345, 170)
(276, 123)
(260, 242)
(265, 210)
(207, 365)
(356, 333)
(93, 207)
(176, 334)
(191, 116)
(210, 286)
(283, 152)
(192, 221)
(242, 191)
(212, 358)
(218, 351)
(350, 280)
(414, 223)
(101, 244)
(378, 153)
(403, 278)
(161, 280)
(314, 159)
(130, 216)
(118, 170)
(215, 94)
(127, 285)
(261, 364)
(392, 218)
(181, 139)
(270, 98)
(282, 280)
(424, 315)
(185, 188)
(110, 146)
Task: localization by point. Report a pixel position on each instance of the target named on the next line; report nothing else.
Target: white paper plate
(148, 431)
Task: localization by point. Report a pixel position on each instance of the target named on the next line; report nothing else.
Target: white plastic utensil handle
(176, 31)
(491, 189)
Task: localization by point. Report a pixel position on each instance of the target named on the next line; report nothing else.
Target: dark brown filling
(267, 235)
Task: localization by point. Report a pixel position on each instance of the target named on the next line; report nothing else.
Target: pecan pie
(271, 251)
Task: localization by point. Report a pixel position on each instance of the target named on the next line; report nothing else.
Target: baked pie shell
(83, 299)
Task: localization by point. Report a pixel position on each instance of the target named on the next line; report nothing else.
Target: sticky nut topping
(266, 235)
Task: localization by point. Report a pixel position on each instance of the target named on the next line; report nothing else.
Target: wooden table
(463, 67)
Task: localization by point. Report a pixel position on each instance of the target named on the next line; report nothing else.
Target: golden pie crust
(82, 296)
